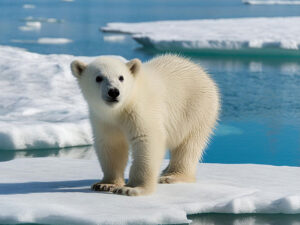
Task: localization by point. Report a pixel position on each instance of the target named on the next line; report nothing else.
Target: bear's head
(106, 83)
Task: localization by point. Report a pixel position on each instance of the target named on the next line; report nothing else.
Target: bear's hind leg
(184, 159)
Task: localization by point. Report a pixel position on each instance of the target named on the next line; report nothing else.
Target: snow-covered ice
(41, 105)
(215, 34)
(56, 191)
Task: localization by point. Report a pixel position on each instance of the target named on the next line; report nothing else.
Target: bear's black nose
(113, 92)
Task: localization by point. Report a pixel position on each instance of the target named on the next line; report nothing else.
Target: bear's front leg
(148, 153)
(113, 157)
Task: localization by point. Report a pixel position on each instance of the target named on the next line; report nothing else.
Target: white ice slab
(54, 41)
(56, 191)
(40, 103)
(216, 34)
(31, 26)
(114, 38)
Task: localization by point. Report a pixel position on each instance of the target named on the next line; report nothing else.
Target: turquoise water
(260, 121)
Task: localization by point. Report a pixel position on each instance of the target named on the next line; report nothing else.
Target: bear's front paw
(167, 180)
(130, 191)
(103, 187)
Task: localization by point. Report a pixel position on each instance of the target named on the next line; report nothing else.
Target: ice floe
(54, 41)
(43, 19)
(114, 38)
(281, 33)
(56, 191)
(41, 105)
(28, 6)
(46, 40)
(31, 26)
(271, 2)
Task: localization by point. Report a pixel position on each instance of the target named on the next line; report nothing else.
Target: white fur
(166, 103)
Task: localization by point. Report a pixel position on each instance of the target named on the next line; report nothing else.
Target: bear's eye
(99, 79)
(121, 78)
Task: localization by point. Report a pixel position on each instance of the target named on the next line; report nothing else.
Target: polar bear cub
(168, 102)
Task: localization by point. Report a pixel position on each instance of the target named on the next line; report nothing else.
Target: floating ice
(114, 38)
(31, 26)
(54, 41)
(43, 19)
(28, 6)
(48, 41)
(40, 103)
(215, 34)
(56, 191)
(271, 2)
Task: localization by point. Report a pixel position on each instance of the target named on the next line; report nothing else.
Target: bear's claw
(103, 187)
(166, 180)
(129, 191)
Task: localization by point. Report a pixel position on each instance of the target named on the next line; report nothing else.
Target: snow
(56, 191)
(271, 2)
(41, 105)
(217, 34)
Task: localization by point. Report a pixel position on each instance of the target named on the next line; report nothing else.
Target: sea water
(260, 119)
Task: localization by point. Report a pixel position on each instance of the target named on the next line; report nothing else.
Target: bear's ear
(77, 68)
(134, 66)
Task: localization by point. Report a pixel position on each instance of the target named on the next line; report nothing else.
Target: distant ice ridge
(42, 19)
(54, 40)
(45, 40)
(215, 34)
(57, 191)
(271, 2)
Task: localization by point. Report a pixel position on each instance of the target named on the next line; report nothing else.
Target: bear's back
(189, 95)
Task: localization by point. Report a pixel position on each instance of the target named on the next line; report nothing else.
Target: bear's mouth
(112, 100)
